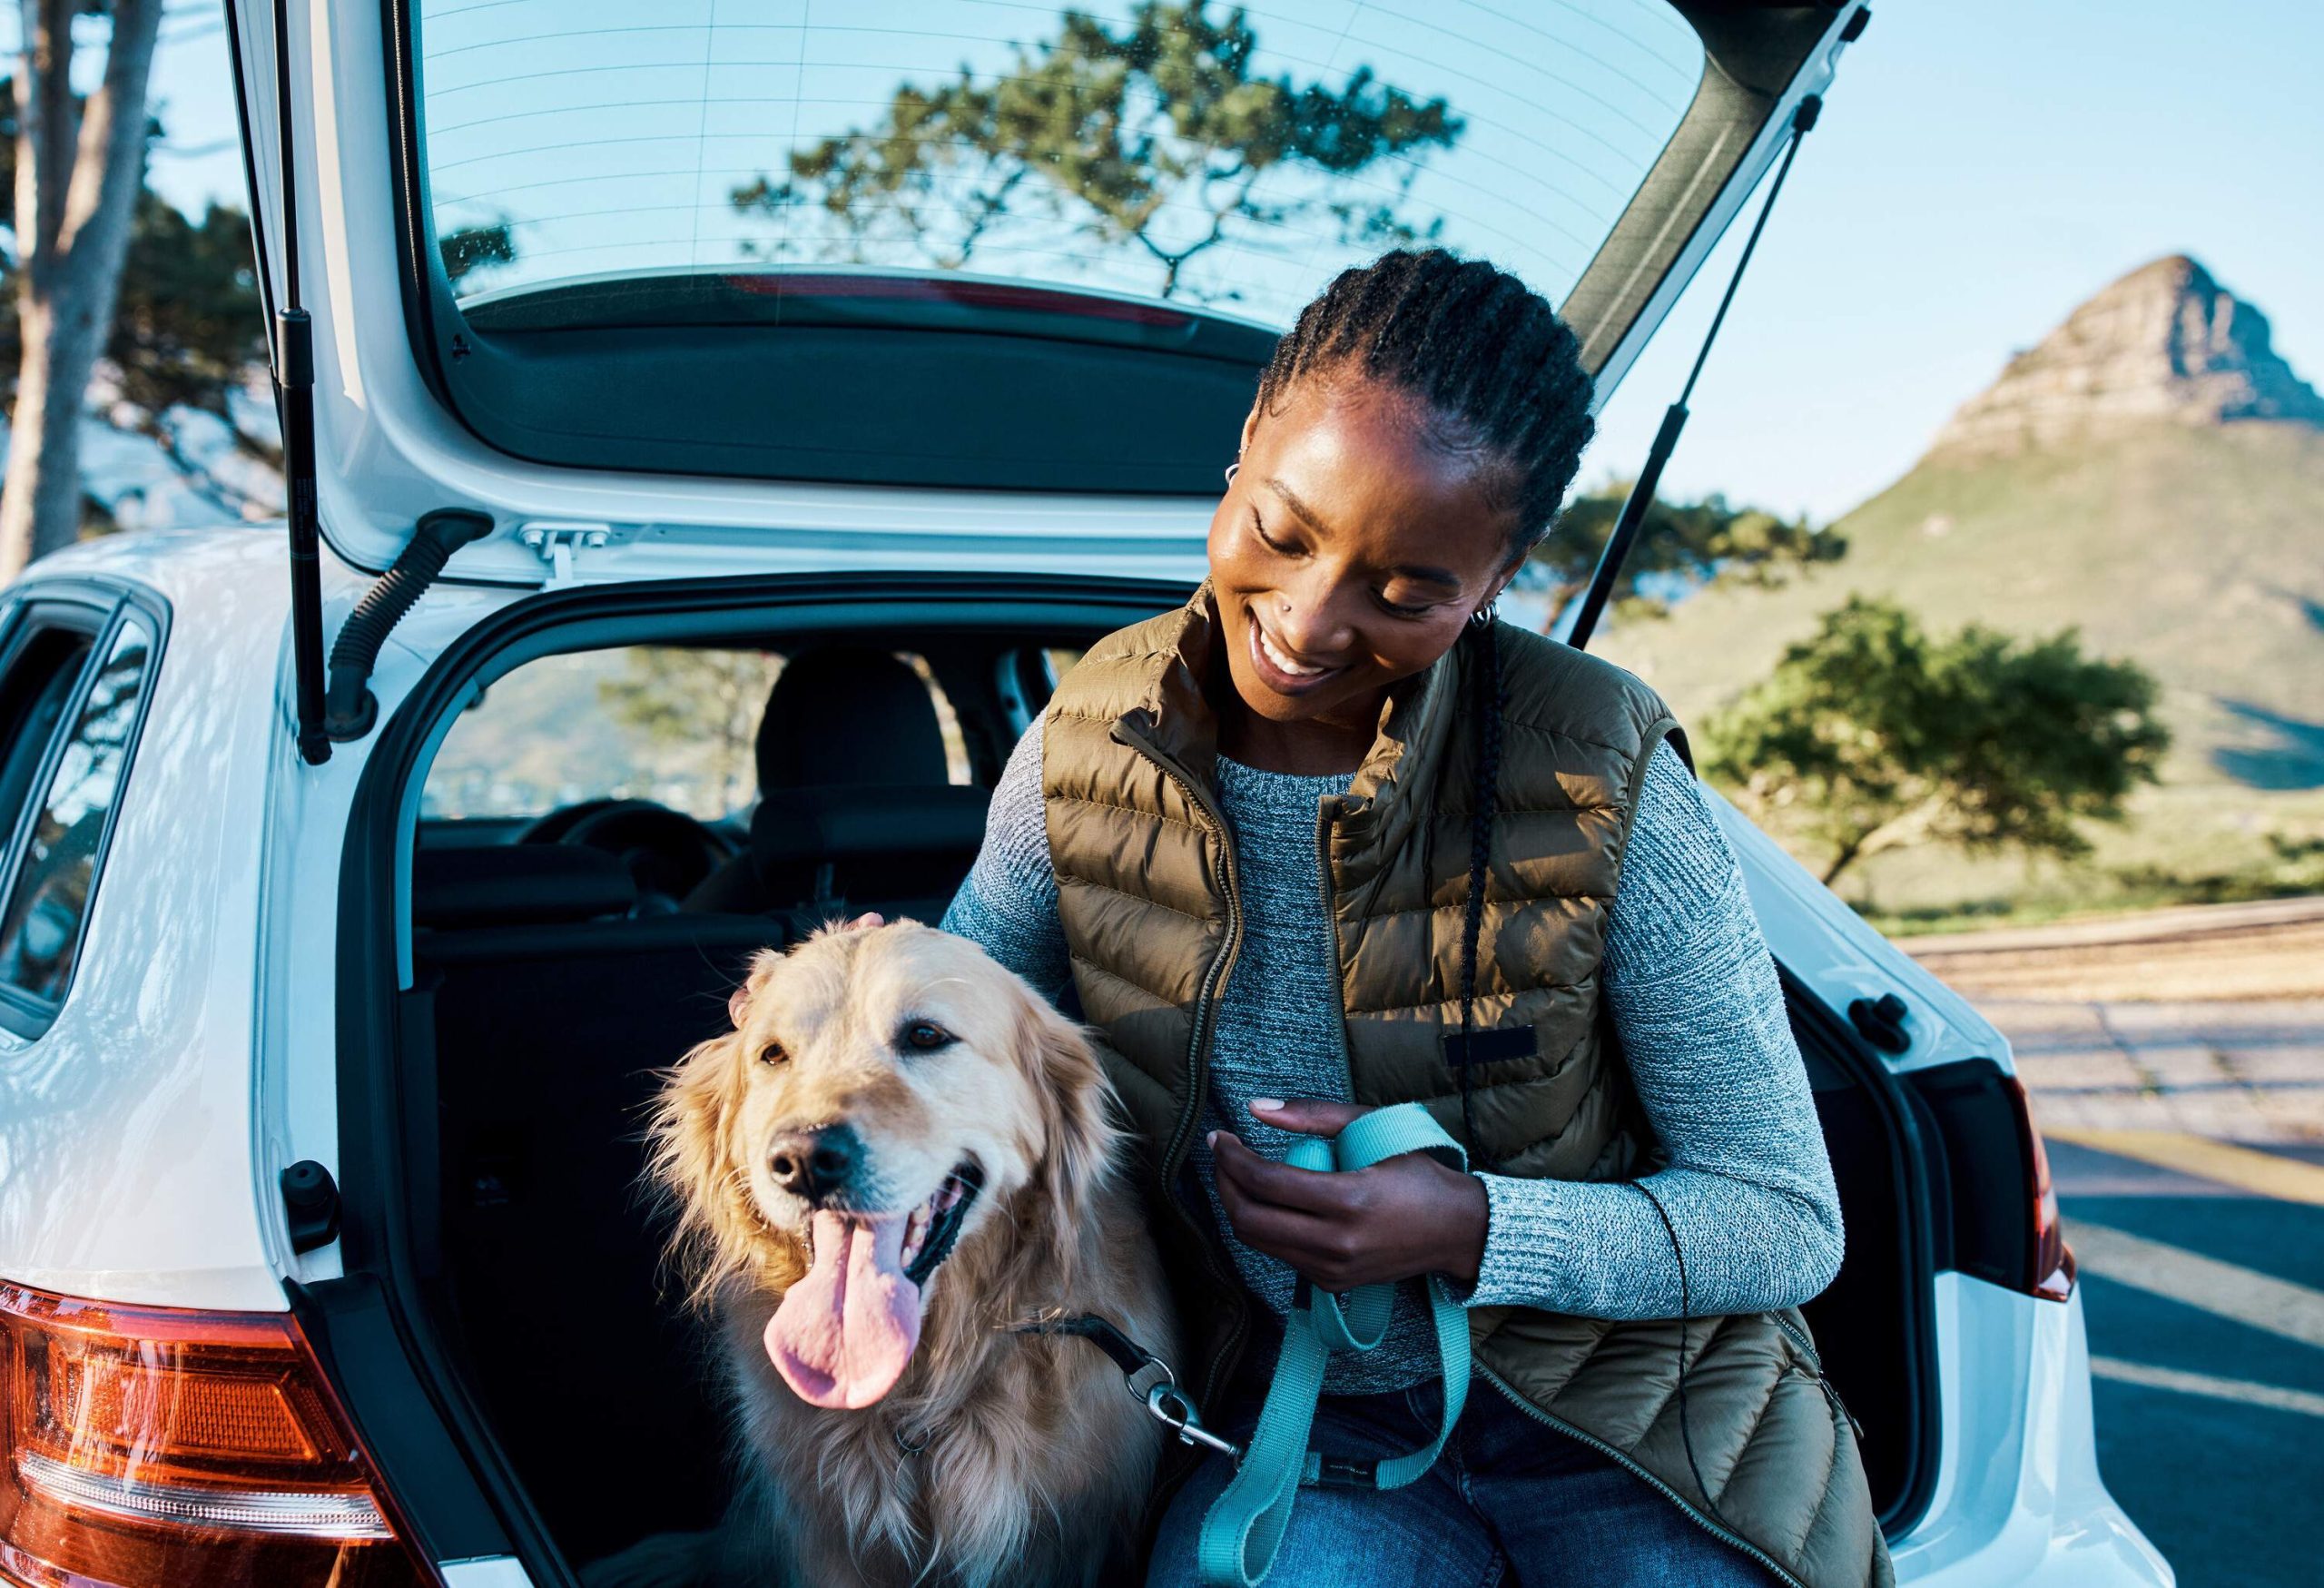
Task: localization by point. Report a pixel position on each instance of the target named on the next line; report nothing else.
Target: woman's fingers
(1265, 1180)
(1313, 1245)
(1405, 1215)
(1306, 1115)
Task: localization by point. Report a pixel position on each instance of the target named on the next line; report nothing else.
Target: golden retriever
(899, 1152)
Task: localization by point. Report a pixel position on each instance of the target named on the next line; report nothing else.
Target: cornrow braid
(1485, 795)
(1498, 372)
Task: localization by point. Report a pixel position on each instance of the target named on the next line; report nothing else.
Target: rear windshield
(1229, 158)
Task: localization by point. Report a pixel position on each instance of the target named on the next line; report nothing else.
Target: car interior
(563, 957)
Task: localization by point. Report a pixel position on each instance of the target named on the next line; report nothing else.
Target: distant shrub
(1873, 735)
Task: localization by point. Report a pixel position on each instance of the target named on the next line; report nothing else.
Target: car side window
(35, 690)
(56, 872)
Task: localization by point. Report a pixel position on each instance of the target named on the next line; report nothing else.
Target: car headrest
(518, 884)
(795, 827)
(848, 715)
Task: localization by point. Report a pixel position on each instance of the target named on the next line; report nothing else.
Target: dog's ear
(1078, 1136)
(717, 1233)
(738, 1003)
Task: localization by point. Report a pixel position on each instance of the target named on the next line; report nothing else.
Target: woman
(1288, 845)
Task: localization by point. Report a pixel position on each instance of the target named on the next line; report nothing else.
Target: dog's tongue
(843, 1334)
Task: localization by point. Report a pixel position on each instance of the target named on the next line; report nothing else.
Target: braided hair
(1498, 376)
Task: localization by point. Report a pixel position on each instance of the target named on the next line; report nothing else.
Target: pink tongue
(844, 1333)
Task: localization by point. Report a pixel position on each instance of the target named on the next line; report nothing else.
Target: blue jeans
(1509, 1494)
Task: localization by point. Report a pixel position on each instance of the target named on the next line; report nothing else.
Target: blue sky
(1983, 165)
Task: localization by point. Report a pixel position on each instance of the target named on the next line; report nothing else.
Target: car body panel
(2018, 1496)
(190, 1064)
(127, 1130)
(1832, 948)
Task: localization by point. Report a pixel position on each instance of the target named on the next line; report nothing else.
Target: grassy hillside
(2198, 552)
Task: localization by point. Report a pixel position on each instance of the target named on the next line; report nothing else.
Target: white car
(324, 1019)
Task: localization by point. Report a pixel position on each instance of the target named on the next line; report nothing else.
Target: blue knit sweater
(1693, 999)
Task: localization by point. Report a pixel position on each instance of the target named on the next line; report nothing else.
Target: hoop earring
(1231, 469)
(1485, 616)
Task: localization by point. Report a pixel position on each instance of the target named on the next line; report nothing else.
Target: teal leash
(1246, 1524)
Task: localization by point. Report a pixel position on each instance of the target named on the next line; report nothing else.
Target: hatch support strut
(1624, 534)
(294, 405)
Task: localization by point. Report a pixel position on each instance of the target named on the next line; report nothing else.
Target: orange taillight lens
(2052, 1278)
(149, 1446)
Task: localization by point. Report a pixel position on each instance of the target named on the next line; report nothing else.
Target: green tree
(189, 337)
(1871, 735)
(704, 702)
(79, 168)
(1157, 134)
(1678, 543)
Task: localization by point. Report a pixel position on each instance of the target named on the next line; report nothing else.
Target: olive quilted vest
(1148, 894)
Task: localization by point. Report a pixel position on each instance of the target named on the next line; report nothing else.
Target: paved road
(2176, 1064)
(2209, 1380)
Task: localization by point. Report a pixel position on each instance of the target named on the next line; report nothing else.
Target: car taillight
(152, 1447)
(2049, 1273)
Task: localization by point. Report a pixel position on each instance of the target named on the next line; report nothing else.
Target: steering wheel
(668, 853)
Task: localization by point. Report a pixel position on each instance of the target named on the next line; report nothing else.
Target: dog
(899, 1152)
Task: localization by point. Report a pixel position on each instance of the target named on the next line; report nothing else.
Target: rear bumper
(2018, 1496)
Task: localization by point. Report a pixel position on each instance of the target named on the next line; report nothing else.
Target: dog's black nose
(815, 1164)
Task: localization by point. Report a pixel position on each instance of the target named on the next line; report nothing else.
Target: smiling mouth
(845, 1330)
(1278, 669)
(931, 1228)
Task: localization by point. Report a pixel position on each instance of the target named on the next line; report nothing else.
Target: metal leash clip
(1185, 1422)
(1147, 1377)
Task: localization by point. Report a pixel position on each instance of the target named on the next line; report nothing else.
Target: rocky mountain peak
(2166, 342)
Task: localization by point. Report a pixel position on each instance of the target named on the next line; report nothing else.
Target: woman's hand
(1404, 1215)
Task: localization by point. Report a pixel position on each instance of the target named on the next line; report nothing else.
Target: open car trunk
(604, 1394)
(542, 1003)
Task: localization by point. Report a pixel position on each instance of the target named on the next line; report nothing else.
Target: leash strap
(1128, 1354)
(1245, 1525)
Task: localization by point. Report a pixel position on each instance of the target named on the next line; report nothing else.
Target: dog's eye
(773, 1053)
(927, 1037)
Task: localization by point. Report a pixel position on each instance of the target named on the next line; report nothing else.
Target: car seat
(855, 809)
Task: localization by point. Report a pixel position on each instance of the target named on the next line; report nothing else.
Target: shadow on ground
(2289, 753)
(2228, 1490)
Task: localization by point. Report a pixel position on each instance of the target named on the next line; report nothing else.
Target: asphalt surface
(2175, 1062)
(2176, 1067)
(2210, 1426)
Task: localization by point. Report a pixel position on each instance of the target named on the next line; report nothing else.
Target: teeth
(1296, 669)
(923, 1219)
